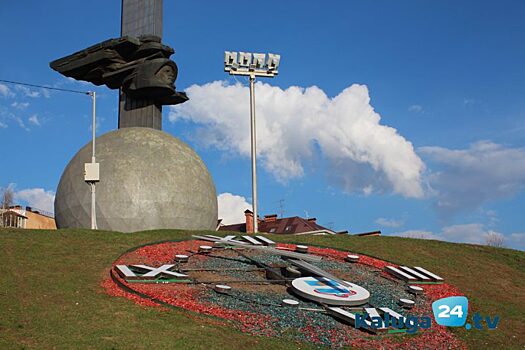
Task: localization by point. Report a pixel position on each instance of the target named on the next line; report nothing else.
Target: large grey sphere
(148, 180)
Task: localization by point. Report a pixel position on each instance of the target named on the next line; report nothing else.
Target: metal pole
(254, 154)
(93, 210)
(94, 100)
(92, 184)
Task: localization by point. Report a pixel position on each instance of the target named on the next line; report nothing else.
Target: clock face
(314, 296)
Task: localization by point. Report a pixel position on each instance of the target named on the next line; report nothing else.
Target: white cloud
(231, 208)
(415, 108)
(20, 122)
(470, 177)
(492, 217)
(81, 82)
(475, 233)
(5, 91)
(37, 198)
(420, 234)
(34, 120)
(368, 190)
(389, 222)
(467, 233)
(27, 91)
(20, 105)
(3, 125)
(516, 240)
(296, 124)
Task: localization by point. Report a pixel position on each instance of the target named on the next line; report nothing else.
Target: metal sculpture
(140, 66)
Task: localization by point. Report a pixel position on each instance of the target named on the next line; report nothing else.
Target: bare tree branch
(8, 196)
(494, 239)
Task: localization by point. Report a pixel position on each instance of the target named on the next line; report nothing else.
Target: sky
(406, 117)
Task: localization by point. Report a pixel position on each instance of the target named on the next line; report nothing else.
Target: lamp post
(92, 170)
(252, 65)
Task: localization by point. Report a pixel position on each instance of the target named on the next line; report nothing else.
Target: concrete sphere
(148, 180)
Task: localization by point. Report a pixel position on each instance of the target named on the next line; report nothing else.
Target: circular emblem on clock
(328, 291)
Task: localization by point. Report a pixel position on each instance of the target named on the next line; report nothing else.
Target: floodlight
(258, 60)
(245, 59)
(273, 61)
(252, 65)
(230, 58)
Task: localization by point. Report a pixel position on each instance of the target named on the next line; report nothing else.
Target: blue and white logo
(451, 311)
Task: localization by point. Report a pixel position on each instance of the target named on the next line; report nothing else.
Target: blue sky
(429, 142)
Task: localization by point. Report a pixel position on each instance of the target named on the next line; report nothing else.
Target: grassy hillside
(50, 294)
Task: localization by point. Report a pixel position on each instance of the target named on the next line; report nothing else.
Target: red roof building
(294, 225)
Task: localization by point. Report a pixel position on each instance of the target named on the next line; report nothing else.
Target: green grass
(50, 294)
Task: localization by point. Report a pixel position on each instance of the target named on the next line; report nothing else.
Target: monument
(148, 178)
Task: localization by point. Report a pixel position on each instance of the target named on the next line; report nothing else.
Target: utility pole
(92, 170)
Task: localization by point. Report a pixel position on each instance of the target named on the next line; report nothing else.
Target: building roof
(372, 233)
(293, 224)
(12, 212)
(271, 224)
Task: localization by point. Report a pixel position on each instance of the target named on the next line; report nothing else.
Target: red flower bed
(112, 289)
(162, 253)
(438, 291)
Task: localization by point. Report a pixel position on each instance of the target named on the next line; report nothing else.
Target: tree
(494, 239)
(8, 196)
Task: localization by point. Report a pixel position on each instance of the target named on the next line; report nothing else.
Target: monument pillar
(140, 17)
